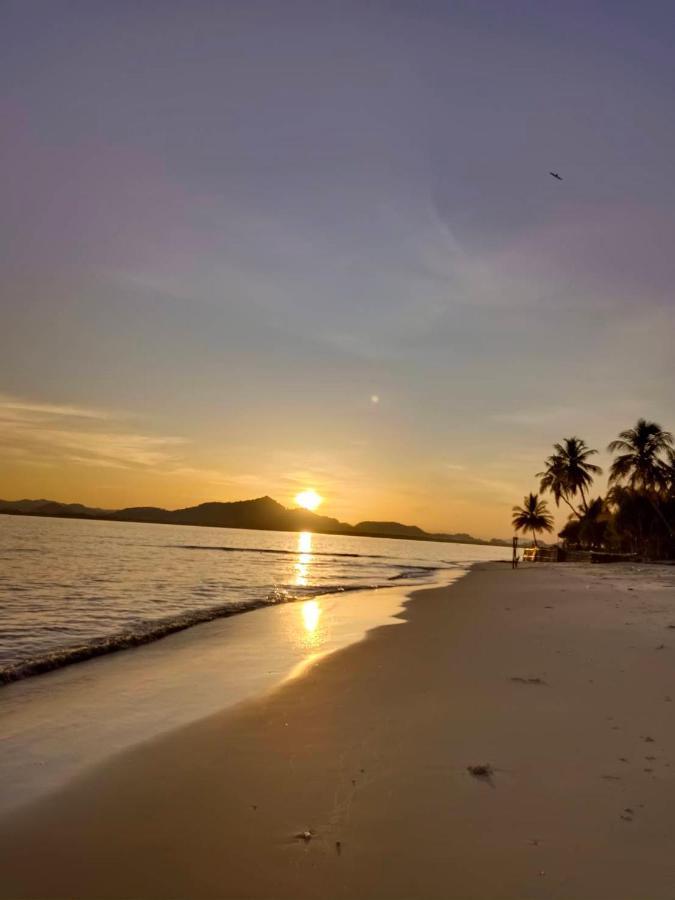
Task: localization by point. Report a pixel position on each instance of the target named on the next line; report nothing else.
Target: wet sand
(352, 780)
(56, 726)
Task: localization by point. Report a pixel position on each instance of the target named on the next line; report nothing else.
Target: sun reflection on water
(304, 559)
(311, 634)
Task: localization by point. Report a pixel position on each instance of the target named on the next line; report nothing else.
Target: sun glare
(309, 499)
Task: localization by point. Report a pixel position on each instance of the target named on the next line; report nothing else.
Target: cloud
(28, 430)
(13, 404)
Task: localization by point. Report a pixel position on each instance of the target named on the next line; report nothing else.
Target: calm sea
(71, 589)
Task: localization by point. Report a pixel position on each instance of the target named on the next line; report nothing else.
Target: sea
(72, 589)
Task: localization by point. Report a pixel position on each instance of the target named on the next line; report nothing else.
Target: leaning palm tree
(554, 479)
(532, 516)
(569, 472)
(645, 456)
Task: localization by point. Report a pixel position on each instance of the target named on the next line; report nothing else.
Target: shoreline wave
(150, 631)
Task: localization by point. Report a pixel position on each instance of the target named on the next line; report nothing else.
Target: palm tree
(568, 472)
(645, 457)
(532, 516)
(645, 463)
(554, 479)
(595, 524)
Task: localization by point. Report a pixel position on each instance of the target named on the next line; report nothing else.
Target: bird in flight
(555, 175)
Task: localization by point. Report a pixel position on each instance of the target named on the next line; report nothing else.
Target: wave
(282, 552)
(147, 632)
(415, 572)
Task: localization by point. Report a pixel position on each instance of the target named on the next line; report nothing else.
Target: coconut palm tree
(569, 472)
(645, 457)
(532, 516)
(554, 479)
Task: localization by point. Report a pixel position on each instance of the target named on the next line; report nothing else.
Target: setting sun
(309, 499)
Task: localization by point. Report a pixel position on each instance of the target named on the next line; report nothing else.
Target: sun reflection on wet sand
(311, 613)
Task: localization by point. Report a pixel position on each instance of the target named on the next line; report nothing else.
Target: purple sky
(226, 226)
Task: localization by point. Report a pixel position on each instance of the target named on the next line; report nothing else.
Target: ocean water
(71, 589)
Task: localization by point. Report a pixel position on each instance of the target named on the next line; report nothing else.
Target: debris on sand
(305, 836)
(520, 680)
(338, 847)
(483, 770)
(649, 740)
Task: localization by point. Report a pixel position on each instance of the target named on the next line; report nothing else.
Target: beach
(351, 779)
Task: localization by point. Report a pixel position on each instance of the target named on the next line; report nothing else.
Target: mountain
(142, 514)
(50, 508)
(262, 513)
(21, 505)
(390, 529)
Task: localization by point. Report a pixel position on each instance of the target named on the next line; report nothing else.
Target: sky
(248, 248)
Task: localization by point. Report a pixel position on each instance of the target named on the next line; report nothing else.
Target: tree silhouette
(532, 516)
(569, 472)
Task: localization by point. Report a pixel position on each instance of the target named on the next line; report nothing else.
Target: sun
(309, 499)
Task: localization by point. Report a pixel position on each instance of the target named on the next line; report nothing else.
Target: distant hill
(391, 529)
(50, 508)
(263, 513)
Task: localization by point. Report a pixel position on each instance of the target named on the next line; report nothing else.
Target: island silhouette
(262, 513)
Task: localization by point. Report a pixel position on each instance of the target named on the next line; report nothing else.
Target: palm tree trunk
(575, 511)
(534, 538)
(583, 498)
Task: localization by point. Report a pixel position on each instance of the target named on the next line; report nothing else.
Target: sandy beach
(351, 780)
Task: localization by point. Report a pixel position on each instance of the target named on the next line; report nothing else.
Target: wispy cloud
(14, 404)
(43, 432)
